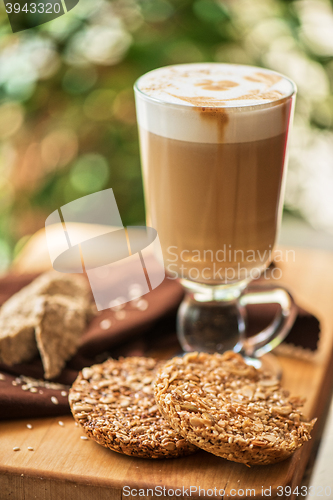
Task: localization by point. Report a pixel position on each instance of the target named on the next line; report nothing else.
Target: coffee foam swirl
(215, 85)
(214, 103)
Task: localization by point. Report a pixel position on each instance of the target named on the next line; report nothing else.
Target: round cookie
(230, 409)
(114, 404)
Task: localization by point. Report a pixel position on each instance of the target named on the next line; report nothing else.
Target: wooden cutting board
(65, 467)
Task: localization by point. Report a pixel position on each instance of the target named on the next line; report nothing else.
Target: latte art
(217, 84)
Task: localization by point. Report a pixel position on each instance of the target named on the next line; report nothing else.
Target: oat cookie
(230, 409)
(114, 404)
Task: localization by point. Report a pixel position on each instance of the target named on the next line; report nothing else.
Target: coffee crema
(213, 144)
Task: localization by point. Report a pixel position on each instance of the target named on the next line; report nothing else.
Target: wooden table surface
(63, 466)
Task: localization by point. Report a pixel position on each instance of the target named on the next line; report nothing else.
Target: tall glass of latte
(213, 141)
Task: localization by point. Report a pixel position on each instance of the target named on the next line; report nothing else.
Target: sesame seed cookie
(114, 404)
(230, 409)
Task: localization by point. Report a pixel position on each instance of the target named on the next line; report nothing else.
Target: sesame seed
(33, 389)
(2, 377)
(29, 426)
(117, 304)
(61, 423)
(63, 393)
(120, 314)
(135, 291)
(54, 400)
(30, 448)
(13, 382)
(25, 387)
(41, 392)
(105, 324)
(142, 305)
(16, 448)
(84, 438)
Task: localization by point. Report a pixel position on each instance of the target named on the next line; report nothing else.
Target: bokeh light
(67, 115)
(99, 104)
(59, 148)
(89, 173)
(11, 118)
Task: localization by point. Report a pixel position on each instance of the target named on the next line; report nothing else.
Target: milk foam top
(216, 85)
(245, 103)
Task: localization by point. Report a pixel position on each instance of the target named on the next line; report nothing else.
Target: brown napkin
(146, 327)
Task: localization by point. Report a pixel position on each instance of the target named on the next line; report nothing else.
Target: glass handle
(276, 332)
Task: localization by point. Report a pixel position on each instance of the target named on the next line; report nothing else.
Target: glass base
(268, 363)
(210, 318)
(213, 319)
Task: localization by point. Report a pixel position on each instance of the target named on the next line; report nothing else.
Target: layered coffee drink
(213, 142)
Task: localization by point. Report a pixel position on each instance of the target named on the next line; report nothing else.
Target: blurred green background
(67, 117)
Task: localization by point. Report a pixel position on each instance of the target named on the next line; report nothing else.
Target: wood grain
(62, 466)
